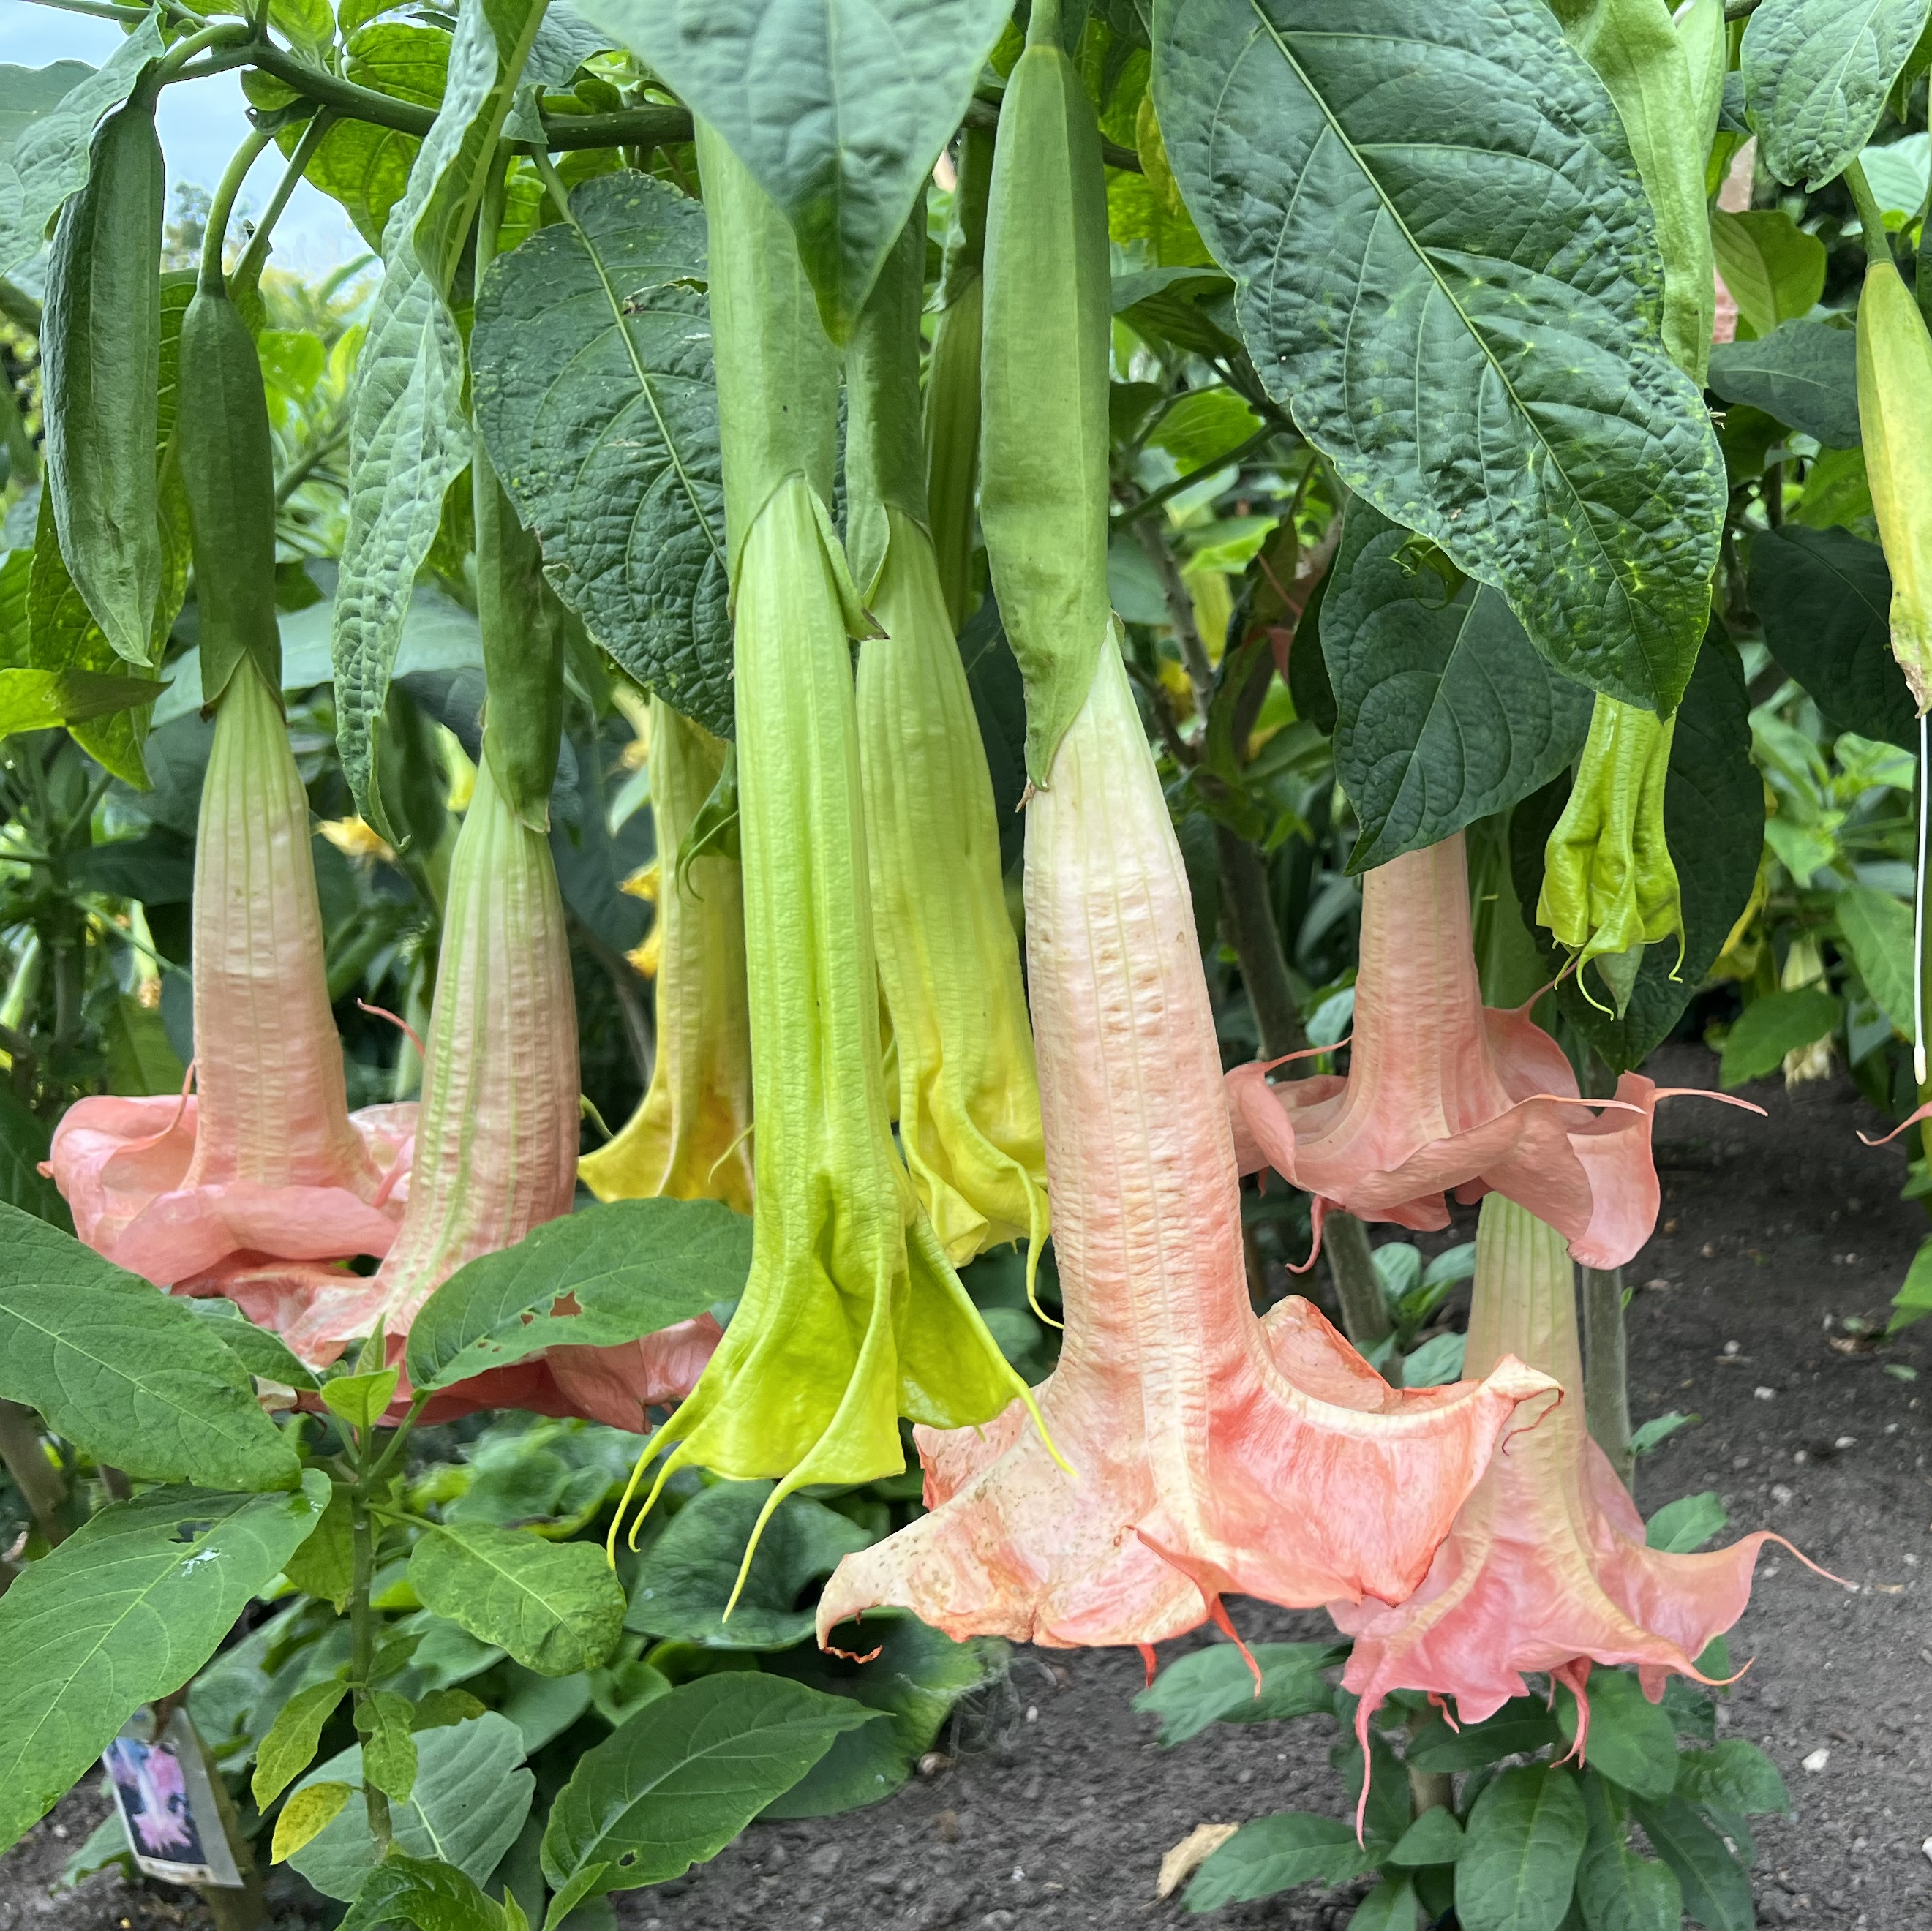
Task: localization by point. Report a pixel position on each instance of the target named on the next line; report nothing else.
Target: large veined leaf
(1636, 1744)
(1716, 1891)
(1815, 73)
(1526, 1833)
(556, 1607)
(127, 1610)
(1444, 711)
(1825, 598)
(593, 385)
(1804, 373)
(45, 157)
(838, 108)
(1448, 273)
(1618, 1889)
(678, 1782)
(115, 1365)
(364, 167)
(633, 1267)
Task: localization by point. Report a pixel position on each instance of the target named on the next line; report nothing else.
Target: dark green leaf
(634, 1265)
(1734, 1776)
(1275, 1853)
(999, 703)
(1434, 1838)
(1816, 75)
(689, 1572)
(423, 1892)
(1444, 711)
(914, 1674)
(1774, 270)
(1717, 1893)
(1215, 1685)
(1523, 1724)
(1770, 1026)
(1825, 596)
(261, 1352)
(364, 167)
(24, 1137)
(469, 1802)
(556, 1607)
(1508, 397)
(1526, 1836)
(126, 1610)
(1616, 1889)
(1630, 1739)
(839, 115)
(594, 394)
(1391, 1906)
(1805, 373)
(1681, 1526)
(681, 1779)
(125, 1370)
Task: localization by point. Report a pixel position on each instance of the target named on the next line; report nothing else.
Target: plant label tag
(161, 1790)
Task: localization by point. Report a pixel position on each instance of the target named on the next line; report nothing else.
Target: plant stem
(1606, 1383)
(248, 267)
(223, 205)
(1134, 512)
(1871, 217)
(1431, 1790)
(363, 1624)
(40, 1482)
(1351, 1266)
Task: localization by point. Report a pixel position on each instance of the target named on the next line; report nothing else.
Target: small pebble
(1817, 1760)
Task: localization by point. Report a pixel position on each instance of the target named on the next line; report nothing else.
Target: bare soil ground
(1057, 1805)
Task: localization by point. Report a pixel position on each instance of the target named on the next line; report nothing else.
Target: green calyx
(1610, 887)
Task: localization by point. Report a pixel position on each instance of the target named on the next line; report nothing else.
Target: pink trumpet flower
(264, 1160)
(1214, 1453)
(1547, 1568)
(495, 1148)
(1444, 1093)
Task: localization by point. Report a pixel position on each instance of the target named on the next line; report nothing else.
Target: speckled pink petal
(1212, 1454)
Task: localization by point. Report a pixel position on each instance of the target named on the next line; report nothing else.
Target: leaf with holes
(594, 395)
(1449, 273)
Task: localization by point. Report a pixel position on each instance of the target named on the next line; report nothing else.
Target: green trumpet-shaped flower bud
(690, 1137)
(963, 1059)
(1610, 887)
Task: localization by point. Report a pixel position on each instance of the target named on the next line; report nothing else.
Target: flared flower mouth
(1444, 1095)
(264, 1158)
(1211, 1454)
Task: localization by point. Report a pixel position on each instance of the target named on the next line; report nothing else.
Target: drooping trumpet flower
(949, 962)
(263, 1160)
(1444, 1093)
(852, 1315)
(1547, 1568)
(1609, 887)
(690, 1138)
(1213, 1453)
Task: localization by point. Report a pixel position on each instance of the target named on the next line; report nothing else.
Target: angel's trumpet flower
(496, 1149)
(690, 1138)
(1443, 1092)
(264, 1159)
(968, 1093)
(1213, 1453)
(1547, 1569)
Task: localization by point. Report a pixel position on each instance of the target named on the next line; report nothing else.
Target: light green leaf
(261, 1352)
(469, 1801)
(633, 1266)
(689, 1573)
(119, 1367)
(25, 1139)
(424, 1893)
(1215, 1685)
(1631, 1739)
(45, 157)
(684, 1777)
(1717, 1893)
(385, 1723)
(1526, 1836)
(1878, 929)
(1897, 174)
(305, 1816)
(1652, 1434)
(556, 1607)
(593, 392)
(1804, 373)
(1618, 1889)
(1509, 399)
(1771, 1027)
(1274, 1853)
(127, 1610)
(361, 1399)
(1774, 270)
(1438, 1362)
(1816, 74)
(290, 1747)
(325, 1565)
(141, 1059)
(34, 700)
(1202, 427)
(838, 113)
(1686, 1524)
(1444, 711)
(1391, 1906)
(1913, 1301)
(1825, 596)
(364, 167)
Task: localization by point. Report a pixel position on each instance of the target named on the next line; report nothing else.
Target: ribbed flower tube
(1547, 1568)
(690, 1137)
(264, 1159)
(1211, 1453)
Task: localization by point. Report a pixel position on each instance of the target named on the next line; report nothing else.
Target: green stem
(248, 268)
(221, 34)
(365, 1624)
(1153, 500)
(215, 234)
(1351, 1265)
(1871, 217)
(1605, 1371)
